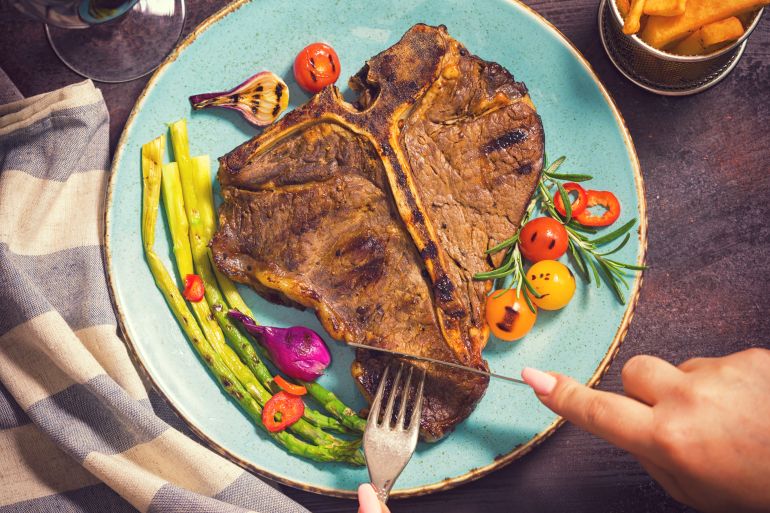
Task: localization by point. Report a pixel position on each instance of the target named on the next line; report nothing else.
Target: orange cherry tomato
(543, 238)
(316, 66)
(554, 282)
(281, 411)
(291, 388)
(509, 317)
(193, 288)
(604, 199)
(580, 203)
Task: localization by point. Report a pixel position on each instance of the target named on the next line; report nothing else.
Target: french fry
(664, 7)
(624, 6)
(662, 30)
(691, 45)
(721, 31)
(632, 22)
(703, 40)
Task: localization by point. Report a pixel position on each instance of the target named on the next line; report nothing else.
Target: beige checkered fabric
(78, 431)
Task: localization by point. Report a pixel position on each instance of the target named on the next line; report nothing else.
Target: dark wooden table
(706, 165)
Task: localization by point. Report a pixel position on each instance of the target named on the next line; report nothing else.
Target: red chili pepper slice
(281, 411)
(193, 288)
(580, 203)
(604, 199)
(291, 388)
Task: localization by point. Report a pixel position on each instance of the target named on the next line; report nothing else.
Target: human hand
(368, 501)
(702, 429)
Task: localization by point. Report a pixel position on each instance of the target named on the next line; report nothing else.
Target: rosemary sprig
(586, 251)
(589, 259)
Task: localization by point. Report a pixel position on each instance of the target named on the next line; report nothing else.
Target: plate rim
(444, 484)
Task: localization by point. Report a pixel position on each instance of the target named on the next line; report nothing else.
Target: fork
(387, 447)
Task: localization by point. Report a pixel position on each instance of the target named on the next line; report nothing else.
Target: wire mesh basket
(663, 72)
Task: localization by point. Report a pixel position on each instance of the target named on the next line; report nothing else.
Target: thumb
(620, 420)
(368, 501)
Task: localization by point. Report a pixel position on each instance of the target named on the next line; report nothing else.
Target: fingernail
(541, 383)
(367, 499)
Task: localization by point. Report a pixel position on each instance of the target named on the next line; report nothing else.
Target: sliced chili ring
(193, 288)
(281, 411)
(599, 199)
(580, 203)
(290, 388)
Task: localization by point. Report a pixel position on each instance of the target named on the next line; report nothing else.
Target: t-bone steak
(376, 214)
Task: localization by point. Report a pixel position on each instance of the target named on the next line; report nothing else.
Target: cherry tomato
(543, 238)
(316, 66)
(509, 317)
(193, 288)
(290, 388)
(580, 203)
(604, 199)
(281, 411)
(554, 282)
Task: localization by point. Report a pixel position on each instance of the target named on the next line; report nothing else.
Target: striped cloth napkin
(78, 432)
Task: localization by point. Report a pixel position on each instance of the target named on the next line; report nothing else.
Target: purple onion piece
(298, 352)
(260, 99)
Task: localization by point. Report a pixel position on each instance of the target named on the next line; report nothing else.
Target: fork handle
(382, 490)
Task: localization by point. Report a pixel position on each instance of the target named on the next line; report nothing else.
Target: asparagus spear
(199, 186)
(152, 159)
(231, 293)
(202, 183)
(151, 178)
(201, 178)
(336, 407)
(169, 178)
(176, 217)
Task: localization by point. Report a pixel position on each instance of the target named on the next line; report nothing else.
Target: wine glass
(109, 40)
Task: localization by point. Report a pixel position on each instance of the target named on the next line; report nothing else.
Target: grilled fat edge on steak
(377, 214)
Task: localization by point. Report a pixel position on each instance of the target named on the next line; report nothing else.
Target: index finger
(620, 420)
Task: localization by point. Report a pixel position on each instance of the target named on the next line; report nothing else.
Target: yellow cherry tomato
(554, 282)
(509, 317)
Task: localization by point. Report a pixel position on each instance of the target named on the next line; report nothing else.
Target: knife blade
(439, 362)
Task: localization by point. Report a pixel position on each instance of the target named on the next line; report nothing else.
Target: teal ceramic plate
(580, 121)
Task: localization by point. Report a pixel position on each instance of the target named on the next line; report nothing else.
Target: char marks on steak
(378, 214)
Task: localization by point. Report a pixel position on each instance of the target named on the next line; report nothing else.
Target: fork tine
(374, 412)
(388, 449)
(400, 424)
(392, 399)
(414, 422)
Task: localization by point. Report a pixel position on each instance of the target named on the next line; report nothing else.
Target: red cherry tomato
(281, 411)
(578, 206)
(290, 388)
(604, 199)
(193, 288)
(543, 238)
(316, 66)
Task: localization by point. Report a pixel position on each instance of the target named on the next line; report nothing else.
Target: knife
(439, 362)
